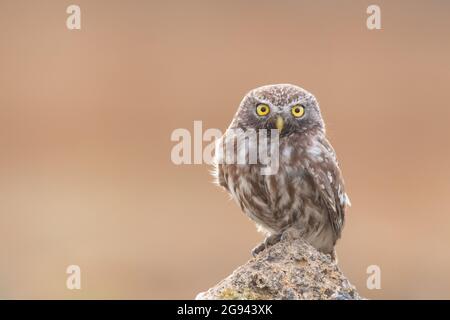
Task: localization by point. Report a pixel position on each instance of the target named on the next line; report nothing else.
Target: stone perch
(290, 269)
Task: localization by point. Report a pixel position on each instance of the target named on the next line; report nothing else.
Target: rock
(291, 270)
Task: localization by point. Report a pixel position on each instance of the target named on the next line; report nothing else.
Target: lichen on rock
(289, 270)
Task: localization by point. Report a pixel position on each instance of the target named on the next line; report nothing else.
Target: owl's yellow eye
(298, 111)
(262, 109)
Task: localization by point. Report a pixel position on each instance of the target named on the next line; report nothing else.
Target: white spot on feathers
(330, 177)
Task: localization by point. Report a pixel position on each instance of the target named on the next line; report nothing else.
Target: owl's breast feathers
(308, 189)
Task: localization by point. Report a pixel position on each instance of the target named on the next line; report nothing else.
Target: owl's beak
(279, 123)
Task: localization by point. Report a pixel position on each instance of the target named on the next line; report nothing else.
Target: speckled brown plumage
(305, 197)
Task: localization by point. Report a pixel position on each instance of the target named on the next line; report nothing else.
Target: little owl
(305, 198)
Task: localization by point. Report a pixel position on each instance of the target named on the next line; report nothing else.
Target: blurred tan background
(86, 117)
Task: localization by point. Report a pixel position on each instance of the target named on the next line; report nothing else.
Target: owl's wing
(326, 175)
(218, 171)
(219, 175)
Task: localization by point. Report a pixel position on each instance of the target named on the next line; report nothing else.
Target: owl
(305, 197)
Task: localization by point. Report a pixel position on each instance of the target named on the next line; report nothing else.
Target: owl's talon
(260, 247)
(268, 242)
(272, 239)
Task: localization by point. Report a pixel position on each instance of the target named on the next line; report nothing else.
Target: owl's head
(285, 107)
